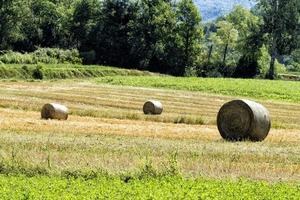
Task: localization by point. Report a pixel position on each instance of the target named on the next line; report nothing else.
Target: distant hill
(211, 9)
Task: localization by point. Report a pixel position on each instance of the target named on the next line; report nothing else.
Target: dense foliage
(42, 55)
(159, 35)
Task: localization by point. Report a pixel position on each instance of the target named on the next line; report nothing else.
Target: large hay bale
(54, 111)
(152, 107)
(243, 119)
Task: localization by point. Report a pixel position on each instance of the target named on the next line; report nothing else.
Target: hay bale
(243, 119)
(152, 107)
(54, 111)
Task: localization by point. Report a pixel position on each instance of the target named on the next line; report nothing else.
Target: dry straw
(54, 111)
(153, 107)
(243, 120)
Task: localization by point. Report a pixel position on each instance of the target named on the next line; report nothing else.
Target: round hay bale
(54, 111)
(243, 120)
(152, 107)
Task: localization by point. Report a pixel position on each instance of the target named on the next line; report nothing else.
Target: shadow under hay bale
(54, 111)
(152, 107)
(243, 120)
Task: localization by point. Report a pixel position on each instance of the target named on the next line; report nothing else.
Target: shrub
(55, 56)
(38, 73)
(42, 55)
(279, 68)
(263, 61)
(10, 57)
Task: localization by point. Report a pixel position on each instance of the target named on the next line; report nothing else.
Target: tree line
(165, 36)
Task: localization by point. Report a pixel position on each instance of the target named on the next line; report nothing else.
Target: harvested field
(108, 130)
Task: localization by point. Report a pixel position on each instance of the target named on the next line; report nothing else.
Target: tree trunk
(271, 73)
(225, 55)
(186, 54)
(186, 50)
(210, 53)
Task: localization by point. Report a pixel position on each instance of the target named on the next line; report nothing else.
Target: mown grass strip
(42, 187)
(261, 89)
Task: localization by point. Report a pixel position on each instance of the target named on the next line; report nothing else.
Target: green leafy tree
(249, 64)
(190, 34)
(226, 36)
(282, 26)
(112, 31)
(84, 20)
(243, 21)
(248, 43)
(47, 17)
(11, 15)
(151, 34)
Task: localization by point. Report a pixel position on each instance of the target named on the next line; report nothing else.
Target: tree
(11, 15)
(65, 36)
(84, 20)
(151, 35)
(282, 25)
(112, 31)
(248, 43)
(226, 36)
(25, 25)
(252, 50)
(189, 33)
(48, 20)
(243, 21)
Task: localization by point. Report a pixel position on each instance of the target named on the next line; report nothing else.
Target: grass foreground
(43, 187)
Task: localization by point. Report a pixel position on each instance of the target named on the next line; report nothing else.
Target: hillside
(211, 9)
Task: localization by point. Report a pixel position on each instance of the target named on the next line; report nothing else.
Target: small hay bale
(152, 107)
(243, 120)
(54, 111)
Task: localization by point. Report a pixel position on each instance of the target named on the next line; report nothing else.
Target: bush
(263, 61)
(38, 73)
(42, 55)
(279, 68)
(293, 67)
(10, 57)
(56, 56)
(296, 56)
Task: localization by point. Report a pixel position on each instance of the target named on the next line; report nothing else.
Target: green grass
(48, 159)
(261, 89)
(43, 187)
(64, 71)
